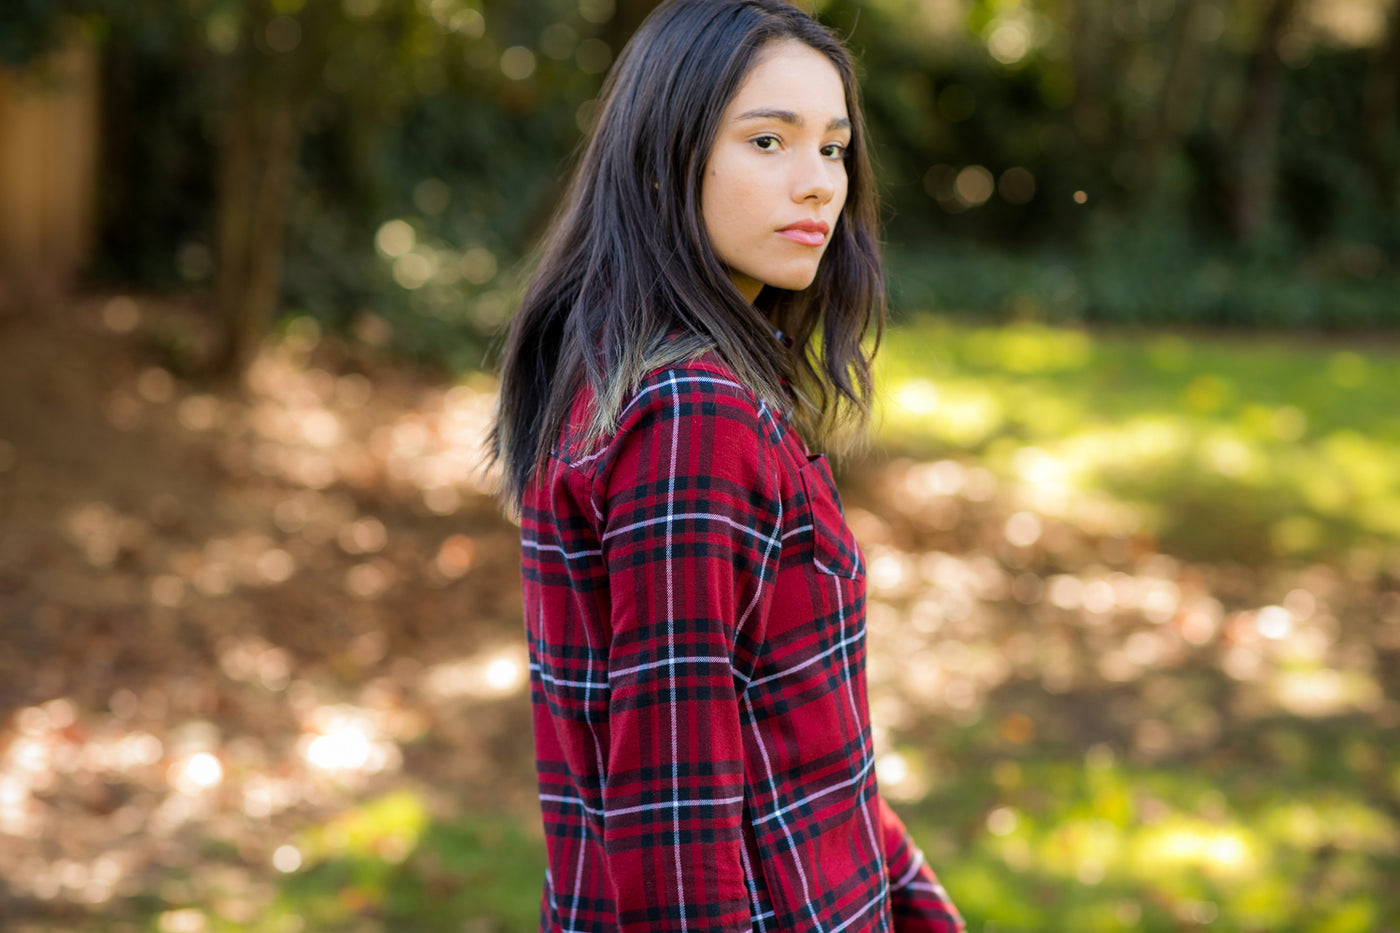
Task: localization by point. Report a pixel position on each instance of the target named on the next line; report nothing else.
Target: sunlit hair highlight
(627, 281)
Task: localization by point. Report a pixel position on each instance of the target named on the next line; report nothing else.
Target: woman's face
(776, 180)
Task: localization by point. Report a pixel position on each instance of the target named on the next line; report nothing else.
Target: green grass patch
(391, 864)
(1094, 843)
(387, 866)
(1247, 448)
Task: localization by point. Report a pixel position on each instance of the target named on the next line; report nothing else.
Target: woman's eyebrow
(791, 118)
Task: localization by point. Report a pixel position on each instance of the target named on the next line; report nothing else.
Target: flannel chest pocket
(834, 548)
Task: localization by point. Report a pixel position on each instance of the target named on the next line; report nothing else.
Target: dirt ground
(226, 613)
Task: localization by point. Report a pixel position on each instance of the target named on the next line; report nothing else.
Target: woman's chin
(794, 281)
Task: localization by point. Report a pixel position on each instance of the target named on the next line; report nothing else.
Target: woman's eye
(766, 143)
(834, 151)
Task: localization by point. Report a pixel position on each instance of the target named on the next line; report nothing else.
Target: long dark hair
(627, 280)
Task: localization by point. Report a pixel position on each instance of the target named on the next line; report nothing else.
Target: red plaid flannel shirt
(695, 607)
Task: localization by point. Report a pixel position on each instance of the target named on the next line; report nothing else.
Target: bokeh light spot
(1009, 42)
(596, 11)
(974, 185)
(1002, 821)
(478, 265)
(1274, 622)
(198, 773)
(121, 315)
(394, 238)
(286, 859)
(517, 63)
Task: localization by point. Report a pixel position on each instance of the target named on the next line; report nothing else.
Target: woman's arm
(917, 900)
(691, 526)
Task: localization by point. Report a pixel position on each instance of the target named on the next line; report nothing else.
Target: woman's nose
(814, 177)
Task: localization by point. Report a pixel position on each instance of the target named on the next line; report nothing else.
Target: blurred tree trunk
(1089, 62)
(259, 151)
(266, 93)
(1186, 74)
(1254, 143)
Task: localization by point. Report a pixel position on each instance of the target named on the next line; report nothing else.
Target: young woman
(694, 601)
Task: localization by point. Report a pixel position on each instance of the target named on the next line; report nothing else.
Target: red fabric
(695, 607)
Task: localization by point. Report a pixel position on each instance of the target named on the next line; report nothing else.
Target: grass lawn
(1268, 459)
(1241, 447)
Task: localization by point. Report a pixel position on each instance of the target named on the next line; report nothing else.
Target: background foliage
(1171, 161)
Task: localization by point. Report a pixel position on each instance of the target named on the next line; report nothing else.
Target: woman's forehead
(791, 77)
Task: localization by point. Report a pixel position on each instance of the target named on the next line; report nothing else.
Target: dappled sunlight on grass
(1101, 844)
(1252, 450)
(1177, 559)
(390, 862)
(965, 414)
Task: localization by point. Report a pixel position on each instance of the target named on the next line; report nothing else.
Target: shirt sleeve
(918, 902)
(691, 513)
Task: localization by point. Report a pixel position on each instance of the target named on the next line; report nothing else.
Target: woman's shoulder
(698, 378)
(703, 387)
(694, 391)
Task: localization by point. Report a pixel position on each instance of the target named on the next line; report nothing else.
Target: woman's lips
(806, 232)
